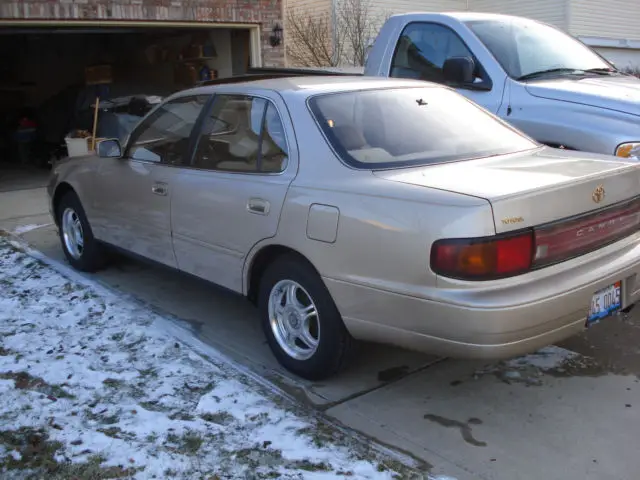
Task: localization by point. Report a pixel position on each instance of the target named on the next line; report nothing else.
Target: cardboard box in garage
(98, 75)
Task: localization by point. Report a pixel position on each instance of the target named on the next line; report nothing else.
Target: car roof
(312, 84)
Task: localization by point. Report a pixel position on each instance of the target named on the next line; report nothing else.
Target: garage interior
(51, 76)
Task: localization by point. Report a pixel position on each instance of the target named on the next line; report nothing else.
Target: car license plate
(605, 302)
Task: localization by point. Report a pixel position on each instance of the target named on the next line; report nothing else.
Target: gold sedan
(347, 208)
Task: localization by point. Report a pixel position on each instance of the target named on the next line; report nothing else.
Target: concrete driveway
(553, 415)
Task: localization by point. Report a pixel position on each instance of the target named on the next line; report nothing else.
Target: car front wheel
(82, 250)
(301, 322)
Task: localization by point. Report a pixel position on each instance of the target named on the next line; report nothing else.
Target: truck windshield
(525, 48)
(401, 127)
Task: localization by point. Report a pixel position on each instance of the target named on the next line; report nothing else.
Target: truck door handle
(258, 205)
(160, 189)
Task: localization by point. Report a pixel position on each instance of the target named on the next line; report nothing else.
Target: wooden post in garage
(95, 125)
(100, 76)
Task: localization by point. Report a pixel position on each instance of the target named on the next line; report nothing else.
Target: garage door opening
(51, 76)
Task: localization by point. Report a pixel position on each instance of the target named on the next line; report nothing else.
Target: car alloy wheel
(72, 233)
(301, 322)
(294, 319)
(82, 250)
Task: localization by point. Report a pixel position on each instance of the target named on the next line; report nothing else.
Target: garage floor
(21, 178)
(555, 415)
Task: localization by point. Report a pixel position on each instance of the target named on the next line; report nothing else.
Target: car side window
(422, 50)
(163, 137)
(242, 134)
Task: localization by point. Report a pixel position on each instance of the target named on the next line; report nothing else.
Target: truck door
(421, 52)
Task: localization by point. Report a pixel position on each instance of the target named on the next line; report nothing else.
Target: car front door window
(164, 136)
(422, 50)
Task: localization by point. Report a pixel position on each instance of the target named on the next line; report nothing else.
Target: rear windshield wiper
(550, 70)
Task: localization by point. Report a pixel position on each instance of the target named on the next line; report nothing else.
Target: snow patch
(19, 230)
(546, 358)
(104, 376)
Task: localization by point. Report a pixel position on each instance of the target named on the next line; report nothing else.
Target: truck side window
(423, 49)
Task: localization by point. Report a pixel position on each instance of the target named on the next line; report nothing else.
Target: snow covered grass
(93, 387)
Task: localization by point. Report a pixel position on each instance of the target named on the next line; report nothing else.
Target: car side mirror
(109, 149)
(459, 70)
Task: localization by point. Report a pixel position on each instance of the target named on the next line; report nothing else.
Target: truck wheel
(82, 250)
(301, 322)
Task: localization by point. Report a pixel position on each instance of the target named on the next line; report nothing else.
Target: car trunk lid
(528, 190)
(574, 202)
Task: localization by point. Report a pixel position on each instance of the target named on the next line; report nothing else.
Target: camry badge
(598, 194)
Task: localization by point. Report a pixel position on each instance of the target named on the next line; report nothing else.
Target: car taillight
(486, 258)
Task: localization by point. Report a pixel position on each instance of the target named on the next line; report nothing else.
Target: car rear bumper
(507, 321)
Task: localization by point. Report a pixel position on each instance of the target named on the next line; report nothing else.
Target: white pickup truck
(536, 77)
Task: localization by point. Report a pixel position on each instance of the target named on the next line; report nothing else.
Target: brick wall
(263, 12)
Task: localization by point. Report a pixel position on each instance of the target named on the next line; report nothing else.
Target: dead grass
(220, 418)
(26, 381)
(189, 443)
(35, 456)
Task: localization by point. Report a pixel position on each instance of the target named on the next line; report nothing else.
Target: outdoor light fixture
(276, 35)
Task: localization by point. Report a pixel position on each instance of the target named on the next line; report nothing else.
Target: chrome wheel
(294, 319)
(72, 233)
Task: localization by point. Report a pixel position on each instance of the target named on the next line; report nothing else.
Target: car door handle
(259, 206)
(160, 189)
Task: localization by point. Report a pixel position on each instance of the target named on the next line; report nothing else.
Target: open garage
(61, 59)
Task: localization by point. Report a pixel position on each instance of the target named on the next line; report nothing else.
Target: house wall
(318, 9)
(385, 7)
(312, 7)
(613, 19)
(553, 12)
(264, 12)
(612, 28)
(379, 10)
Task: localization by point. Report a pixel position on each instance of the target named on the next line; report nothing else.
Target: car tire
(280, 317)
(82, 250)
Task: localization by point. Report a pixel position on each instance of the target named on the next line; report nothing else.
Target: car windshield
(396, 127)
(524, 47)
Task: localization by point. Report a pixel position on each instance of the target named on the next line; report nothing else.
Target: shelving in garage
(43, 73)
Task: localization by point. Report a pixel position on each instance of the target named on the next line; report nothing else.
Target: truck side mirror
(458, 70)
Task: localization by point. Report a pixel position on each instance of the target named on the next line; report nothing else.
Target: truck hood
(532, 188)
(620, 93)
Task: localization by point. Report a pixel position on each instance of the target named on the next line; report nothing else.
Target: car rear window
(399, 127)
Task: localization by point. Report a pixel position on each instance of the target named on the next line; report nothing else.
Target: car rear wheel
(82, 250)
(301, 322)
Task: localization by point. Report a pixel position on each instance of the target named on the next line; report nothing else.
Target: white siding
(623, 58)
(553, 12)
(611, 18)
(311, 8)
(321, 7)
(391, 7)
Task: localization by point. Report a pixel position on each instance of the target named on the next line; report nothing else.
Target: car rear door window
(242, 134)
(163, 137)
